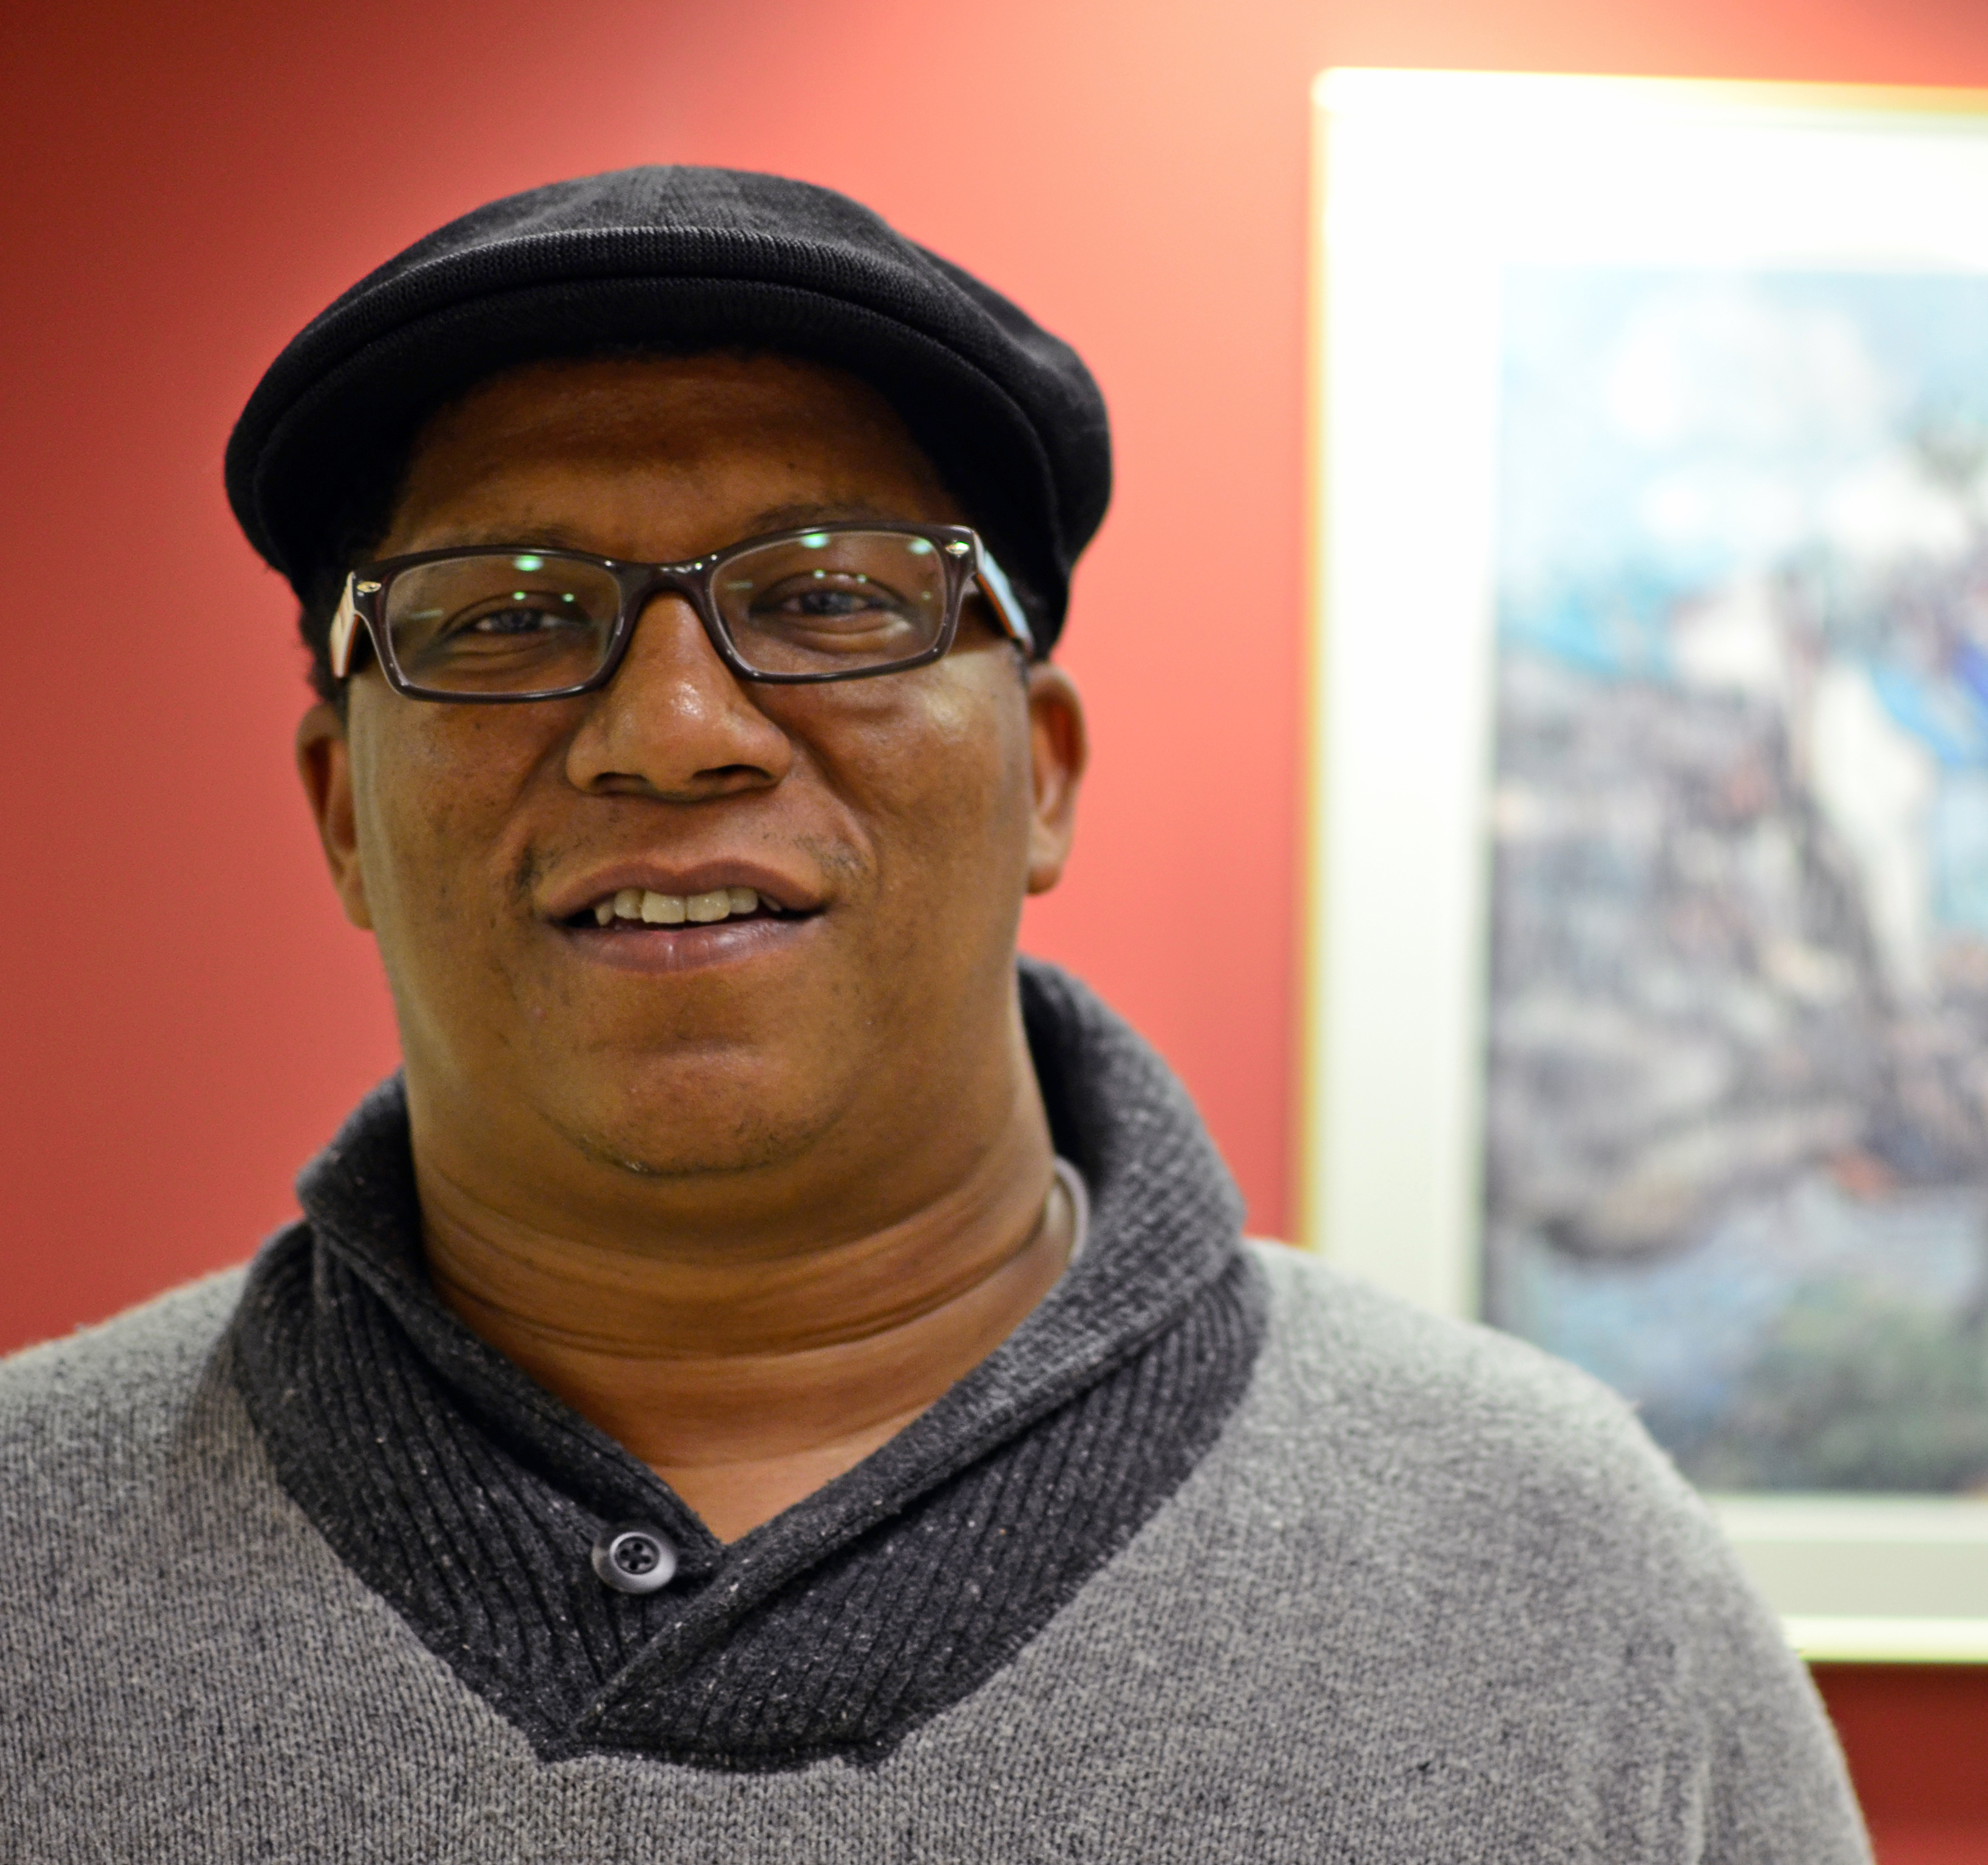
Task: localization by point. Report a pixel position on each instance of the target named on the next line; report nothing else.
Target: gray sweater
(1220, 1556)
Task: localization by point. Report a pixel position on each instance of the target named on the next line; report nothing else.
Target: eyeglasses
(502, 623)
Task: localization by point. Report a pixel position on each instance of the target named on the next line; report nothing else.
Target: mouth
(720, 912)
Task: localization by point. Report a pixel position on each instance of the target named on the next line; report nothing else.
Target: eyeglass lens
(518, 622)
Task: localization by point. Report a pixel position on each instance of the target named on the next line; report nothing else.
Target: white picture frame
(1428, 186)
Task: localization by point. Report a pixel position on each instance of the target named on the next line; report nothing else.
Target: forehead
(643, 446)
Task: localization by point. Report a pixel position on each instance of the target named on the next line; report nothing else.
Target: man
(771, 1379)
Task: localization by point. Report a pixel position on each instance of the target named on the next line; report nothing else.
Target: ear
(1059, 748)
(324, 762)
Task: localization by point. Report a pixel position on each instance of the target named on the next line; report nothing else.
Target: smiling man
(774, 1376)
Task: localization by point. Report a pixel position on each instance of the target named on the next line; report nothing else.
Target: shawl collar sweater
(472, 1499)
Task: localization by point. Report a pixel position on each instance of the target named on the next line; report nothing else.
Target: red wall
(186, 1016)
(1918, 1742)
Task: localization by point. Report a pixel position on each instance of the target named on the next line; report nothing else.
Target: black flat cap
(679, 257)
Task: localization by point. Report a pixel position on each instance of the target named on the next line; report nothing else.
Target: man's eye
(827, 597)
(515, 618)
(830, 599)
(510, 621)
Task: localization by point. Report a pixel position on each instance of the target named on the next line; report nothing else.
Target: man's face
(896, 822)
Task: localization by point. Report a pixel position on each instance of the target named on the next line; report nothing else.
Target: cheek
(941, 776)
(436, 789)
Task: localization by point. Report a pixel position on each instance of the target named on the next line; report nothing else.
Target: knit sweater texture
(1221, 1556)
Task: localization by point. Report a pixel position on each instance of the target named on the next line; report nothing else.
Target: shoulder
(1353, 1345)
(1345, 1353)
(1494, 1521)
(114, 1394)
(1447, 1436)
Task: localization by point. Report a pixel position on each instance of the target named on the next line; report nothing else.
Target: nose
(674, 722)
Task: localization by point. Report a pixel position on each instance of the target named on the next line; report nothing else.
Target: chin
(670, 1135)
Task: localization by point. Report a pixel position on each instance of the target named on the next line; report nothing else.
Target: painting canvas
(1646, 954)
(1737, 1110)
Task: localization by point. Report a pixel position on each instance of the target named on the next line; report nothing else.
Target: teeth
(674, 909)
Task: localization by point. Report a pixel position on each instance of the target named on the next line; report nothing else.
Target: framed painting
(1647, 943)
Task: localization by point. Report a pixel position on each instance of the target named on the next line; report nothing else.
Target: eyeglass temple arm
(1007, 606)
(344, 630)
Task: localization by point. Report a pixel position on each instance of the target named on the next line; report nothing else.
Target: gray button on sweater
(1220, 1557)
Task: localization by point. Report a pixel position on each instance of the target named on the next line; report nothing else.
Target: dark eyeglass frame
(967, 561)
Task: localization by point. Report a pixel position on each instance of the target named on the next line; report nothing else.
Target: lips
(663, 947)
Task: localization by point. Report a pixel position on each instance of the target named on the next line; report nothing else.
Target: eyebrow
(557, 537)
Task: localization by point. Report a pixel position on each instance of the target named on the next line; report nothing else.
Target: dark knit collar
(470, 1497)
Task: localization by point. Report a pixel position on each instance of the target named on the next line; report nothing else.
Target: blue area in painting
(1960, 838)
(1737, 1135)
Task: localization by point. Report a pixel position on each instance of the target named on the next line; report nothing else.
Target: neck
(749, 1376)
